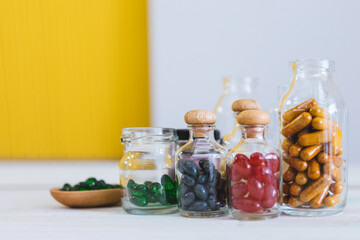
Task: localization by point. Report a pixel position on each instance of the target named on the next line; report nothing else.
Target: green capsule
(83, 186)
(118, 186)
(155, 188)
(147, 183)
(108, 186)
(163, 199)
(140, 190)
(153, 198)
(131, 184)
(66, 187)
(167, 183)
(91, 181)
(139, 201)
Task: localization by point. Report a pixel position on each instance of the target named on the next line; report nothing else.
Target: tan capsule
(331, 201)
(295, 150)
(295, 189)
(286, 188)
(295, 202)
(285, 145)
(295, 163)
(296, 125)
(305, 106)
(338, 161)
(336, 188)
(302, 132)
(317, 201)
(333, 171)
(310, 152)
(313, 171)
(289, 174)
(340, 151)
(323, 157)
(301, 178)
(322, 124)
(315, 188)
(315, 138)
(286, 199)
(336, 143)
(317, 111)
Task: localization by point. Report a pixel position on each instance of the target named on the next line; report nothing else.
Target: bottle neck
(253, 133)
(313, 75)
(202, 131)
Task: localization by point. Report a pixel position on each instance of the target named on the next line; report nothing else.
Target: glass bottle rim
(239, 80)
(148, 135)
(312, 64)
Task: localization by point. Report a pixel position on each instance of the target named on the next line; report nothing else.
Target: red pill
(238, 190)
(243, 166)
(270, 196)
(246, 205)
(272, 160)
(234, 173)
(255, 188)
(264, 174)
(257, 158)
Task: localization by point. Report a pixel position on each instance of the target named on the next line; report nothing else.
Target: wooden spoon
(89, 198)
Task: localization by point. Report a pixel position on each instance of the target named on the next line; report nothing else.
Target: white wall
(194, 43)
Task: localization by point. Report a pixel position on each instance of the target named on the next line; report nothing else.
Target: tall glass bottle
(201, 169)
(254, 176)
(232, 138)
(234, 88)
(313, 137)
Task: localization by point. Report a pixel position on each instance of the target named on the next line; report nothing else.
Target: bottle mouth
(240, 80)
(148, 135)
(312, 64)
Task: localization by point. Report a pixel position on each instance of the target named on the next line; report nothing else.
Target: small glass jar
(147, 170)
(184, 135)
(313, 139)
(232, 139)
(201, 169)
(254, 176)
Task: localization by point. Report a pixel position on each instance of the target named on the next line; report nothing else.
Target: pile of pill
(312, 150)
(90, 184)
(152, 193)
(201, 188)
(254, 184)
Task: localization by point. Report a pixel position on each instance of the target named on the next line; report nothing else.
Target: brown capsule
(301, 178)
(313, 171)
(286, 199)
(323, 157)
(317, 201)
(295, 189)
(336, 188)
(285, 145)
(310, 152)
(295, 150)
(331, 201)
(289, 174)
(315, 188)
(333, 171)
(296, 125)
(338, 161)
(302, 132)
(295, 162)
(315, 138)
(286, 188)
(322, 124)
(295, 202)
(340, 151)
(317, 111)
(305, 106)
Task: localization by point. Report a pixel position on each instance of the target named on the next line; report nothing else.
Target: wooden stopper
(200, 117)
(245, 104)
(253, 117)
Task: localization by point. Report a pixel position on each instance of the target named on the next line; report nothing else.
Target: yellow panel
(73, 73)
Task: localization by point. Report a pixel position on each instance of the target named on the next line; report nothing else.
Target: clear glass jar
(314, 141)
(201, 172)
(254, 176)
(184, 135)
(147, 170)
(234, 88)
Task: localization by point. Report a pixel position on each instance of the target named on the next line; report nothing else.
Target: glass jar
(230, 140)
(234, 88)
(147, 170)
(254, 176)
(313, 138)
(201, 169)
(184, 135)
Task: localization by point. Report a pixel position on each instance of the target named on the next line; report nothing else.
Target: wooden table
(27, 211)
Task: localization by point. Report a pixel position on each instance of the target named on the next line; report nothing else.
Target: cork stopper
(200, 117)
(245, 104)
(253, 117)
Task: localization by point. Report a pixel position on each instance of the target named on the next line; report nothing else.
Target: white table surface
(27, 211)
